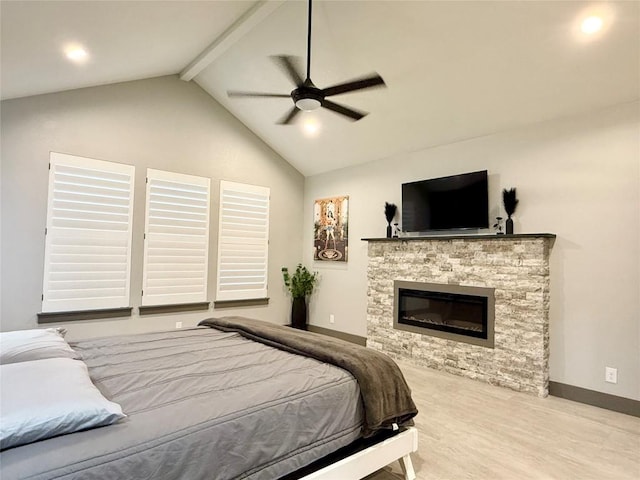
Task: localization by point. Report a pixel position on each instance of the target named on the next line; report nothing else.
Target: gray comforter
(385, 393)
(201, 404)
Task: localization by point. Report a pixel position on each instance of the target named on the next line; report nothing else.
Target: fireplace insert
(454, 312)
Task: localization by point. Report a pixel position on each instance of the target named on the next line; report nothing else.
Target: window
(176, 247)
(243, 242)
(87, 257)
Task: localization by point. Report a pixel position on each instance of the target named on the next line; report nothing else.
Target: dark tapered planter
(299, 313)
(509, 226)
(389, 231)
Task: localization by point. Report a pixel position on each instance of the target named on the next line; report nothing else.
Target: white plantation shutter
(88, 242)
(176, 247)
(243, 241)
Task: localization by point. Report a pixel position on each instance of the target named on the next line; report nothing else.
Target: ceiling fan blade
(288, 63)
(368, 82)
(341, 109)
(286, 120)
(233, 93)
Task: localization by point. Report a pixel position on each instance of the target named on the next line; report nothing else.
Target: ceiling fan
(306, 96)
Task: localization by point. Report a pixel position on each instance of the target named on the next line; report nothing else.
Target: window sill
(56, 317)
(180, 307)
(250, 302)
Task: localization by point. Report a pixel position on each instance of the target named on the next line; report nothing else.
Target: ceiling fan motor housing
(307, 97)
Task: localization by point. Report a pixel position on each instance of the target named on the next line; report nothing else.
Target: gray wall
(160, 123)
(578, 178)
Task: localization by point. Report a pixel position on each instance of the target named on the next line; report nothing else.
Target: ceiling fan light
(308, 104)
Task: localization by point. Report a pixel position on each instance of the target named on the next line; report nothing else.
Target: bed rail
(363, 463)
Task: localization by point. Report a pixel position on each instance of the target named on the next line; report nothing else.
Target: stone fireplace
(427, 299)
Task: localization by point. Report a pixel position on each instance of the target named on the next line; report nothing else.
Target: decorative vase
(509, 226)
(299, 313)
(389, 231)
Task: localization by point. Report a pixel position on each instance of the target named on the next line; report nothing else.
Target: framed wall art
(331, 229)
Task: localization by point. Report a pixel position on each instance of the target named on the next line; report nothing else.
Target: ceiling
(454, 69)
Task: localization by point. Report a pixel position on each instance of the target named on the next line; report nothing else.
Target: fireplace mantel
(461, 237)
(515, 266)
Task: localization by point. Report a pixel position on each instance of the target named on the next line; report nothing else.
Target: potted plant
(300, 284)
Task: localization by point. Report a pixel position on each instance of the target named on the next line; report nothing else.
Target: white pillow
(37, 344)
(46, 398)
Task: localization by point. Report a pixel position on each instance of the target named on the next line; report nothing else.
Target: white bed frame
(367, 461)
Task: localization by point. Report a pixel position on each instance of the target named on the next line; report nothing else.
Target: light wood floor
(472, 430)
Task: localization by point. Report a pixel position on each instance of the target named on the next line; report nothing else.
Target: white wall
(161, 123)
(578, 178)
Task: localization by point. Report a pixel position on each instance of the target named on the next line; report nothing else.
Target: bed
(233, 398)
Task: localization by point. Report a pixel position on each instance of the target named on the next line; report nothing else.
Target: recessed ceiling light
(76, 54)
(591, 25)
(593, 22)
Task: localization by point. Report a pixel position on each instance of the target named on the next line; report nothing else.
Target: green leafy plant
(301, 282)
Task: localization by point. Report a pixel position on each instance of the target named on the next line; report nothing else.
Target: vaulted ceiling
(453, 69)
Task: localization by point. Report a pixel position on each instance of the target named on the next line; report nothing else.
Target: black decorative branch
(509, 201)
(389, 211)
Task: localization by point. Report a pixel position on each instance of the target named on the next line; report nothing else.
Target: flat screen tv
(448, 203)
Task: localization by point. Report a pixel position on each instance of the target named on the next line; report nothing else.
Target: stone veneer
(517, 266)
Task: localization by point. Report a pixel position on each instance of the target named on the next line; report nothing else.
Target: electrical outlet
(611, 374)
(178, 324)
(332, 319)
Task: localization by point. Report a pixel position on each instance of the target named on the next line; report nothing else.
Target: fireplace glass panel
(448, 312)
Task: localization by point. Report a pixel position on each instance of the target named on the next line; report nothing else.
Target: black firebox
(454, 312)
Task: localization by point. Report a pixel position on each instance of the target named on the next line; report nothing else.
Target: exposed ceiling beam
(252, 17)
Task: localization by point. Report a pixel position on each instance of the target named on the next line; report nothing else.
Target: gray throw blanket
(385, 394)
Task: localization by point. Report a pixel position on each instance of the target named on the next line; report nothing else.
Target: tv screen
(447, 203)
